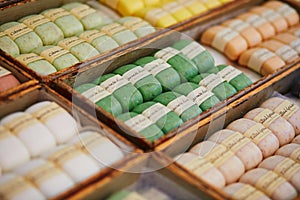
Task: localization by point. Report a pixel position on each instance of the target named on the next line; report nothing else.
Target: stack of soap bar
(142, 125)
(7, 80)
(22, 35)
(8, 45)
(289, 39)
(137, 25)
(46, 30)
(179, 12)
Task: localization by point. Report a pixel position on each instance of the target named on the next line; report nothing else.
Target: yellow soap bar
(179, 12)
(194, 6)
(225, 1)
(211, 3)
(125, 7)
(151, 3)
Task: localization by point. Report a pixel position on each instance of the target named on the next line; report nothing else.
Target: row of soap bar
(163, 13)
(7, 80)
(144, 194)
(250, 142)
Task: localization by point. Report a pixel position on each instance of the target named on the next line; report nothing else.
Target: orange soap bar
(7, 80)
(289, 39)
(295, 30)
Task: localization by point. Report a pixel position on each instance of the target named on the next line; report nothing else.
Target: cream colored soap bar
(241, 191)
(289, 39)
(291, 151)
(261, 60)
(225, 40)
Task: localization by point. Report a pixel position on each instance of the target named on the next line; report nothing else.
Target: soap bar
(285, 167)
(89, 17)
(285, 52)
(289, 13)
(242, 191)
(216, 84)
(128, 96)
(278, 125)
(49, 179)
(224, 160)
(233, 76)
(179, 12)
(142, 125)
(57, 56)
(161, 115)
(180, 104)
(55, 118)
(291, 151)
(249, 33)
(99, 40)
(68, 23)
(37, 63)
(259, 23)
(295, 30)
(44, 28)
(79, 48)
(7, 80)
(211, 4)
(140, 27)
(161, 70)
(100, 97)
(26, 127)
(226, 40)
(269, 182)
(194, 6)
(148, 86)
(125, 194)
(296, 140)
(197, 53)
(125, 7)
(151, 3)
(263, 137)
(12, 150)
(261, 60)
(182, 64)
(204, 98)
(289, 39)
(8, 45)
(22, 35)
(119, 33)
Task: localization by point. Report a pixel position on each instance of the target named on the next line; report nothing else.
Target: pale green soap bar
(79, 48)
(137, 25)
(121, 195)
(8, 45)
(23, 36)
(57, 56)
(46, 30)
(68, 23)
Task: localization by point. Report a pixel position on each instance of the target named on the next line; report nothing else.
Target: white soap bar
(241, 191)
(36, 137)
(290, 150)
(61, 124)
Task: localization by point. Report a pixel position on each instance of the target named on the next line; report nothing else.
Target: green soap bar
(197, 53)
(46, 30)
(22, 35)
(162, 71)
(89, 17)
(164, 118)
(180, 104)
(8, 45)
(184, 66)
(199, 94)
(101, 98)
(125, 194)
(141, 79)
(137, 25)
(57, 56)
(142, 125)
(79, 48)
(37, 63)
(99, 40)
(123, 90)
(233, 76)
(216, 84)
(68, 23)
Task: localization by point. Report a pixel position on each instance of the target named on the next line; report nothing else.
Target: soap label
(138, 123)
(172, 7)
(244, 193)
(21, 123)
(180, 105)
(266, 117)
(295, 45)
(4, 72)
(69, 43)
(192, 50)
(222, 38)
(112, 3)
(235, 142)
(135, 24)
(295, 155)
(17, 31)
(286, 53)
(64, 154)
(238, 25)
(286, 10)
(156, 111)
(256, 21)
(42, 173)
(134, 196)
(136, 74)
(269, 182)
(200, 95)
(198, 165)
(166, 53)
(211, 81)
(258, 58)
(229, 73)
(114, 83)
(82, 11)
(14, 187)
(219, 155)
(270, 15)
(96, 94)
(53, 53)
(89, 36)
(47, 112)
(157, 66)
(287, 168)
(286, 109)
(154, 15)
(29, 58)
(257, 133)
(112, 29)
(56, 13)
(36, 21)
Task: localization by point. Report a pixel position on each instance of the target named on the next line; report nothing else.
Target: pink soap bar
(7, 80)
